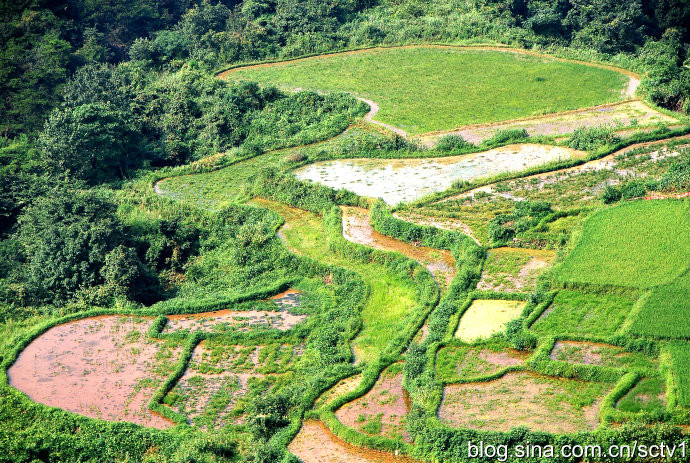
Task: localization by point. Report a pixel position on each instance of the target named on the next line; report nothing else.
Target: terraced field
(513, 295)
(417, 91)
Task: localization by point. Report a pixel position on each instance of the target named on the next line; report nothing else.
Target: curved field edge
(65, 319)
(387, 105)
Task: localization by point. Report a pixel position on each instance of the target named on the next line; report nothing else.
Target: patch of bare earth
(316, 444)
(514, 269)
(591, 353)
(342, 387)
(386, 403)
(102, 367)
(358, 229)
(520, 399)
(242, 320)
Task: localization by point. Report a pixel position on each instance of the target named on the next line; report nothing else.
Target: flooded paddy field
(101, 367)
(404, 180)
(242, 320)
(486, 317)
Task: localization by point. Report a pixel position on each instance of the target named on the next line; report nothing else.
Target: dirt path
(369, 117)
(357, 228)
(597, 164)
(316, 444)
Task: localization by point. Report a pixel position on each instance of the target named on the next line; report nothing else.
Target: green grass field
(423, 89)
(582, 314)
(638, 244)
(680, 361)
(666, 311)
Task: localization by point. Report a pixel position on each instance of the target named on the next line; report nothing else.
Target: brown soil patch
(242, 320)
(102, 367)
(316, 444)
(521, 399)
(591, 353)
(358, 229)
(506, 358)
(342, 387)
(386, 403)
(514, 269)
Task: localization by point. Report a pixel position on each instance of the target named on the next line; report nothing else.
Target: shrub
(505, 136)
(297, 157)
(611, 195)
(519, 338)
(633, 189)
(591, 138)
(451, 142)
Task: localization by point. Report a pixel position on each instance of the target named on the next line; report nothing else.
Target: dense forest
(97, 94)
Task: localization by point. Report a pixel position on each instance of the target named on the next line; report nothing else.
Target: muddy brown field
(358, 229)
(523, 399)
(102, 367)
(242, 320)
(382, 410)
(316, 444)
(594, 353)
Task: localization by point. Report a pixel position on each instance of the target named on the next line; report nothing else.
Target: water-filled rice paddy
(397, 180)
(486, 317)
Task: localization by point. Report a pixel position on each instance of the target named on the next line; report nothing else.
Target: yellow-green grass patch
(391, 299)
(486, 317)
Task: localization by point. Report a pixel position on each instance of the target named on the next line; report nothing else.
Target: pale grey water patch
(404, 180)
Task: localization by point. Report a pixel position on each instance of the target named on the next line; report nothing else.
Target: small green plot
(583, 314)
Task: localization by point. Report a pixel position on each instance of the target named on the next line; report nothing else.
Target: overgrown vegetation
(129, 177)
